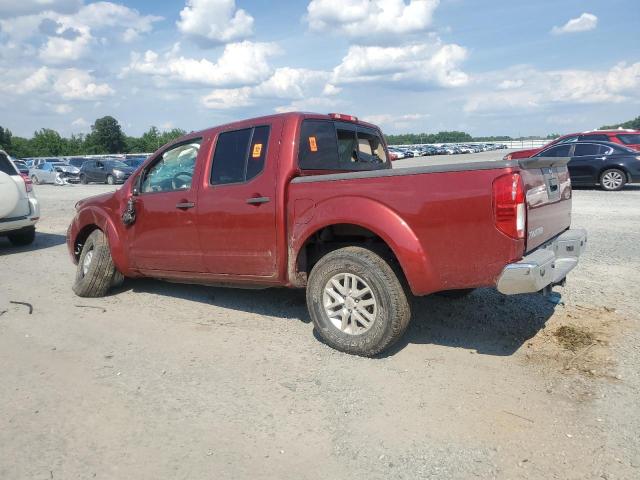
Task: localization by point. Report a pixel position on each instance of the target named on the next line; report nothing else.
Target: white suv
(19, 209)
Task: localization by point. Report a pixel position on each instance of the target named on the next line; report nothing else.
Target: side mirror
(135, 190)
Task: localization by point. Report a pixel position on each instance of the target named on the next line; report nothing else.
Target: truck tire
(357, 301)
(95, 272)
(23, 237)
(613, 179)
(9, 195)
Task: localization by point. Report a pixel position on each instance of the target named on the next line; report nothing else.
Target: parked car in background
(47, 172)
(77, 161)
(105, 171)
(607, 164)
(134, 162)
(627, 138)
(311, 201)
(19, 208)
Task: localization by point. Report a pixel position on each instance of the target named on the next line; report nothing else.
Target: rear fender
(373, 216)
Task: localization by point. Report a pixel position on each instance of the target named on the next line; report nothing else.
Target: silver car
(47, 172)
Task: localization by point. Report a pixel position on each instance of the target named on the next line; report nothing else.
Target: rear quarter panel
(439, 225)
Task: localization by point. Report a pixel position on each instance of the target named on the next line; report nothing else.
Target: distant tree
(632, 124)
(20, 148)
(47, 142)
(106, 136)
(5, 139)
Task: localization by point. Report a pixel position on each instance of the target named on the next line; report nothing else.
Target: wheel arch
(365, 223)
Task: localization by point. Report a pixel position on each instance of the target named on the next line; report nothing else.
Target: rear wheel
(23, 237)
(111, 180)
(95, 273)
(357, 302)
(613, 179)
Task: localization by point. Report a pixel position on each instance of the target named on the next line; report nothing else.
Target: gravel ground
(188, 382)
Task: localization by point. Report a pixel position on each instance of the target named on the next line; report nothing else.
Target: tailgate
(548, 192)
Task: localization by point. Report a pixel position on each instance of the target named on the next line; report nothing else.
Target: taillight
(509, 205)
(27, 182)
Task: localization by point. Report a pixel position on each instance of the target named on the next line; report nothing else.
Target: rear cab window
(629, 138)
(341, 146)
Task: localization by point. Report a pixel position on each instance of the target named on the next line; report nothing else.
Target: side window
(173, 170)
(239, 155)
(571, 139)
(584, 149)
(629, 138)
(559, 151)
(370, 146)
(318, 146)
(597, 137)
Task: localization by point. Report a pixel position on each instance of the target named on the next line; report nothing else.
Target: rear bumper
(546, 266)
(14, 224)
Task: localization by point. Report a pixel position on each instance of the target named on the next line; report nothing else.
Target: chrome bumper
(546, 266)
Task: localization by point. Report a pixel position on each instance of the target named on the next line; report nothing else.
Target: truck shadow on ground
(485, 321)
(42, 241)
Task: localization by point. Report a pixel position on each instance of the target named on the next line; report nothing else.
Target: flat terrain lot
(164, 381)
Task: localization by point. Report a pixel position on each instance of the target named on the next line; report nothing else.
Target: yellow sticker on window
(313, 146)
(257, 150)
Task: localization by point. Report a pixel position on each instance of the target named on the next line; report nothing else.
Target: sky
(487, 67)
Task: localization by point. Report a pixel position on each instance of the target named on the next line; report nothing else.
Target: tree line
(632, 124)
(106, 137)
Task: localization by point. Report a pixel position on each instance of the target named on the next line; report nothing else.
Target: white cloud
(392, 122)
(76, 84)
(80, 123)
(533, 89)
(301, 86)
(54, 87)
(240, 64)
(371, 19)
(585, 22)
(418, 64)
(69, 37)
(215, 21)
(61, 50)
(10, 8)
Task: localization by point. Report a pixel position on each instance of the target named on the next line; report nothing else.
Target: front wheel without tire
(357, 302)
(111, 180)
(613, 179)
(95, 272)
(83, 179)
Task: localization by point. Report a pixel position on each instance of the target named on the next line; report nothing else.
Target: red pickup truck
(311, 201)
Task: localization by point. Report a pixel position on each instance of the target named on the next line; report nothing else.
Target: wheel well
(81, 238)
(616, 167)
(338, 236)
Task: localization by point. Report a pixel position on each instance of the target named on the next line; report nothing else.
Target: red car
(628, 138)
(310, 201)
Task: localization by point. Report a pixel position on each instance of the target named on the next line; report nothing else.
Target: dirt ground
(162, 381)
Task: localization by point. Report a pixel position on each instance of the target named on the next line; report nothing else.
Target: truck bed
(447, 208)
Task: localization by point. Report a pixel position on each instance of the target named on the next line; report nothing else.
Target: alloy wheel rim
(350, 303)
(86, 263)
(612, 180)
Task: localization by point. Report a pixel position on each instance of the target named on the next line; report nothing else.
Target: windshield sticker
(313, 146)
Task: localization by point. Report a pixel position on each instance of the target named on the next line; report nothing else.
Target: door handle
(258, 200)
(185, 205)
(601, 158)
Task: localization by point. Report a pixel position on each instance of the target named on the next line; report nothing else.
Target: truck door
(164, 235)
(237, 202)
